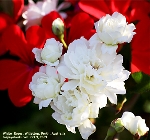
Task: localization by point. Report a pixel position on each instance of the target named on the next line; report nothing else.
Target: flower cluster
(84, 57)
(77, 84)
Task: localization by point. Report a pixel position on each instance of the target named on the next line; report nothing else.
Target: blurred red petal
(15, 77)
(35, 36)
(141, 41)
(120, 5)
(81, 25)
(5, 21)
(141, 47)
(95, 8)
(18, 7)
(2, 47)
(47, 23)
(140, 61)
(14, 40)
(9, 71)
(19, 92)
(141, 9)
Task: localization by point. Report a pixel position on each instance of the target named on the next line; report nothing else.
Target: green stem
(61, 37)
(106, 138)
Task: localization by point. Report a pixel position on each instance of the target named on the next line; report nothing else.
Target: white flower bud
(135, 124)
(58, 27)
(50, 54)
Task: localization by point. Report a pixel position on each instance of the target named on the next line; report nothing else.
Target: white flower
(45, 86)
(72, 108)
(50, 53)
(34, 12)
(96, 74)
(134, 124)
(112, 30)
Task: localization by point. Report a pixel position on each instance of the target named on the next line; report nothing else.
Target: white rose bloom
(45, 86)
(112, 30)
(134, 124)
(72, 108)
(96, 74)
(34, 12)
(50, 54)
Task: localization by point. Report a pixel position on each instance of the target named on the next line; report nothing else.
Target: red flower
(16, 75)
(6, 20)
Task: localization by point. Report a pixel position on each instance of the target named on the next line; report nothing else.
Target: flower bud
(134, 124)
(110, 133)
(58, 27)
(117, 125)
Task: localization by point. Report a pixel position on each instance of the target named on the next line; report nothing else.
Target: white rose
(34, 12)
(78, 65)
(45, 85)
(134, 124)
(72, 109)
(97, 74)
(112, 30)
(50, 54)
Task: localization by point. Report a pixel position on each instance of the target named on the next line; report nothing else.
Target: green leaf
(138, 83)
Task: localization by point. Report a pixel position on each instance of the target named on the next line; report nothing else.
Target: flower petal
(17, 43)
(5, 21)
(35, 36)
(17, 7)
(121, 6)
(81, 25)
(111, 96)
(44, 103)
(15, 77)
(140, 61)
(96, 8)
(86, 129)
(9, 70)
(70, 85)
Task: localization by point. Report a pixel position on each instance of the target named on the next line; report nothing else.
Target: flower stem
(120, 105)
(106, 138)
(61, 37)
